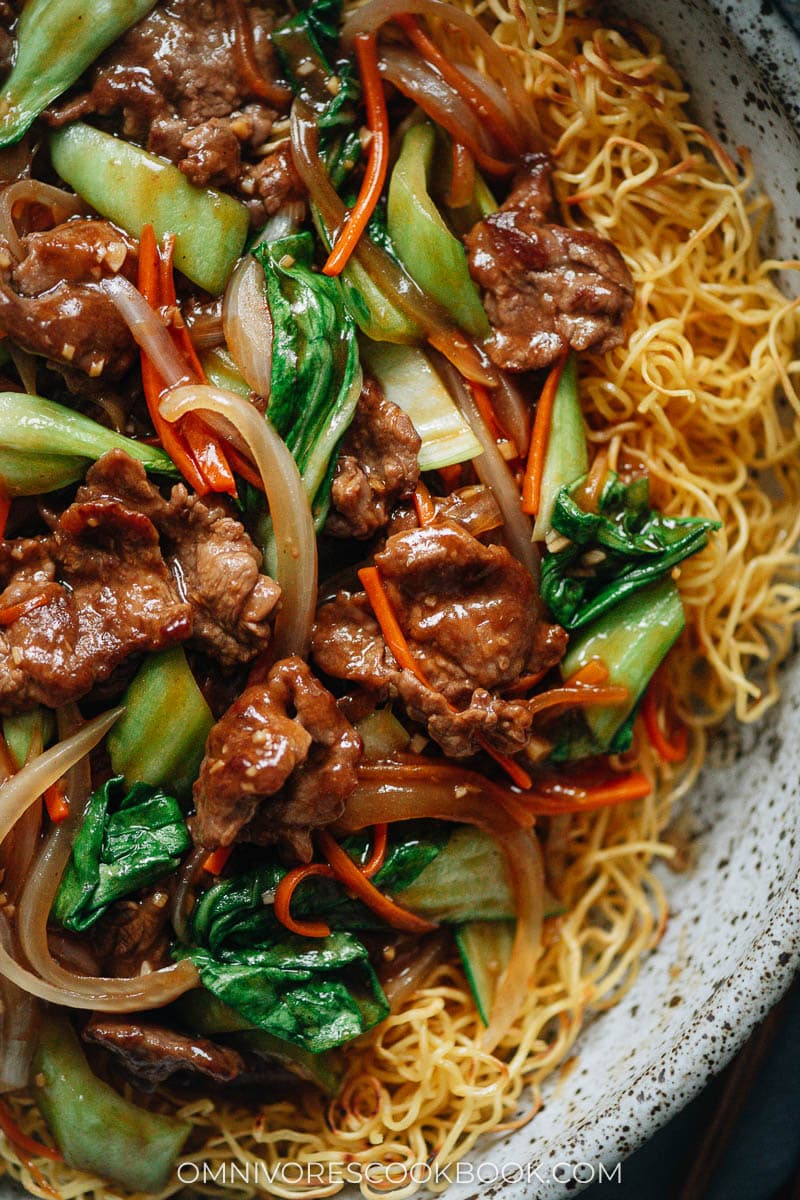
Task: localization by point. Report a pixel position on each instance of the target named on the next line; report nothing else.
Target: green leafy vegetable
(95, 1129)
(315, 993)
(567, 457)
(45, 446)
(307, 46)
(429, 251)
(160, 738)
(614, 552)
(485, 950)
(316, 373)
(133, 188)
(56, 41)
(631, 639)
(126, 842)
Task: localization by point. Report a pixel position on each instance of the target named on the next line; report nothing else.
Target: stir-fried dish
(398, 479)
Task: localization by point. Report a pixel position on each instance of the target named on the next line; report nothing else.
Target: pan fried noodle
(697, 397)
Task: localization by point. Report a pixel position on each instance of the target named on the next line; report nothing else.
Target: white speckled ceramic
(733, 942)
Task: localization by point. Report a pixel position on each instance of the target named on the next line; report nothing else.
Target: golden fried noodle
(696, 396)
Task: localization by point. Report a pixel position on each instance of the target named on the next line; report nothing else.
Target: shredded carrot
(462, 178)
(21, 1141)
(215, 863)
(674, 751)
(451, 476)
(486, 409)
(594, 672)
(14, 611)
(580, 694)
(396, 641)
(5, 509)
(423, 503)
(458, 82)
(540, 436)
(207, 448)
(170, 437)
(56, 803)
(380, 840)
(588, 495)
(521, 686)
(377, 163)
(354, 879)
(283, 899)
(244, 467)
(566, 799)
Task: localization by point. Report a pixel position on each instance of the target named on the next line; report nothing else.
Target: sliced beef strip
(154, 1053)
(108, 595)
(124, 571)
(51, 302)
(280, 763)
(378, 465)
(195, 81)
(133, 933)
(214, 562)
(545, 287)
(472, 621)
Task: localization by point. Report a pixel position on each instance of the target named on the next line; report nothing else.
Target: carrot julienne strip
(577, 800)
(21, 1141)
(14, 611)
(215, 863)
(396, 641)
(540, 436)
(378, 856)
(354, 879)
(56, 803)
(377, 163)
(283, 899)
(5, 509)
(669, 751)
(423, 503)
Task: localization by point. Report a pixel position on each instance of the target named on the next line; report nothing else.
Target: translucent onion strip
(18, 1013)
(149, 331)
(370, 17)
(108, 995)
(289, 508)
(390, 792)
(492, 470)
(247, 324)
(33, 191)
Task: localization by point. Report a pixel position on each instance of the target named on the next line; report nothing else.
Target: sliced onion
(73, 991)
(205, 329)
(423, 84)
(33, 191)
(288, 506)
(394, 792)
(492, 469)
(370, 17)
(183, 895)
(25, 364)
(247, 324)
(18, 1015)
(405, 974)
(149, 331)
(513, 411)
(395, 284)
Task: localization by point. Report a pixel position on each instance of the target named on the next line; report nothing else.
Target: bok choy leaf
(614, 552)
(45, 446)
(126, 842)
(315, 993)
(316, 374)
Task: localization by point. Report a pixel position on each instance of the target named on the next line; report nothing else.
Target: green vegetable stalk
(125, 843)
(316, 373)
(567, 457)
(133, 188)
(56, 41)
(426, 247)
(160, 738)
(631, 640)
(21, 729)
(45, 446)
(95, 1129)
